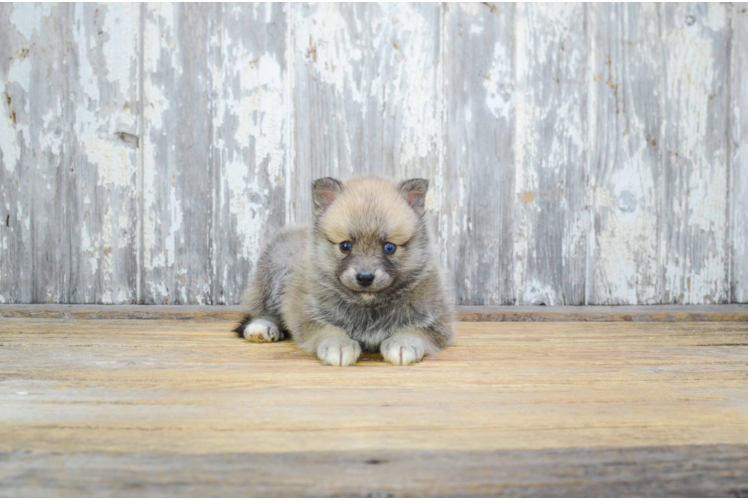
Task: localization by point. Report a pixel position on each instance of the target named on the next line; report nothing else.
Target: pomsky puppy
(365, 275)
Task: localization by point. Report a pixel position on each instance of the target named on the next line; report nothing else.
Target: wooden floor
(173, 407)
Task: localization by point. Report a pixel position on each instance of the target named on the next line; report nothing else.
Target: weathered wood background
(579, 154)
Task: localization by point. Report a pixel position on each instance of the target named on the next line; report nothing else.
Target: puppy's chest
(362, 323)
(370, 340)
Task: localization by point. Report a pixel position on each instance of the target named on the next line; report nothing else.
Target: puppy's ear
(414, 192)
(324, 192)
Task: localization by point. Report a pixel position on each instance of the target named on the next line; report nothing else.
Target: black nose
(365, 279)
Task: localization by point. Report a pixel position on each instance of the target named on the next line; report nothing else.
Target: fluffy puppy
(364, 275)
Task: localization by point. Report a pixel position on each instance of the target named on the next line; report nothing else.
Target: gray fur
(302, 280)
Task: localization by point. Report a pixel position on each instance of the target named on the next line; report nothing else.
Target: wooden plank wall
(579, 153)
(738, 153)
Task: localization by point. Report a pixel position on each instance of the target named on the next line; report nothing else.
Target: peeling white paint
(20, 74)
(159, 289)
(524, 180)
(541, 171)
(9, 146)
(290, 112)
(739, 160)
(176, 224)
(87, 78)
(115, 166)
(96, 126)
(28, 17)
(384, 64)
(49, 138)
(327, 45)
(415, 75)
(694, 272)
(472, 9)
(89, 249)
(716, 19)
(536, 293)
(156, 104)
(499, 85)
(120, 47)
(258, 103)
(260, 113)
(18, 86)
(623, 259)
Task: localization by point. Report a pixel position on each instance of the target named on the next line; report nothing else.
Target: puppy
(364, 275)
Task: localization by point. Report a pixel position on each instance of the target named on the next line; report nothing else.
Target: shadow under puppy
(364, 276)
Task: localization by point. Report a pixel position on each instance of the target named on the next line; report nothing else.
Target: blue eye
(389, 248)
(346, 246)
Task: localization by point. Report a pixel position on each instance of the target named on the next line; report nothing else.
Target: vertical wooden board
(102, 195)
(35, 254)
(478, 175)
(625, 118)
(15, 265)
(551, 220)
(694, 256)
(250, 129)
(366, 98)
(738, 115)
(177, 165)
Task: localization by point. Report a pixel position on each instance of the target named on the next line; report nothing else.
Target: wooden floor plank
(684, 471)
(172, 407)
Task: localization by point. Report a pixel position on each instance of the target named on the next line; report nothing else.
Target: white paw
(402, 350)
(338, 351)
(262, 330)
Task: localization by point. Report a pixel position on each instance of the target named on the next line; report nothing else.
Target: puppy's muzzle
(365, 280)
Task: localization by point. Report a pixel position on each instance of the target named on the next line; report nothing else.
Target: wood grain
(35, 142)
(476, 211)
(366, 98)
(550, 221)
(173, 406)
(177, 172)
(625, 159)
(694, 259)
(738, 116)
(578, 153)
(102, 197)
(711, 471)
(251, 121)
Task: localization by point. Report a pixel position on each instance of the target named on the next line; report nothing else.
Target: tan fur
(304, 283)
(372, 206)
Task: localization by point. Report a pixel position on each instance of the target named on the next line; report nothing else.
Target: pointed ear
(414, 192)
(324, 192)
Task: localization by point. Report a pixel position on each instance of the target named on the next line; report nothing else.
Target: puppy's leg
(262, 297)
(263, 330)
(338, 351)
(260, 323)
(333, 346)
(408, 346)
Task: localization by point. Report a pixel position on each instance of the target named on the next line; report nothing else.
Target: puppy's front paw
(402, 350)
(262, 330)
(338, 351)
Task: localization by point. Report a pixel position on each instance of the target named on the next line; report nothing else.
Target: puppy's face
(370, 236)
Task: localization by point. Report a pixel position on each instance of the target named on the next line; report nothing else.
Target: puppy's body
(335, 299)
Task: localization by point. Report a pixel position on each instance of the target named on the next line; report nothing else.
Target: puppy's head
(370, 237)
